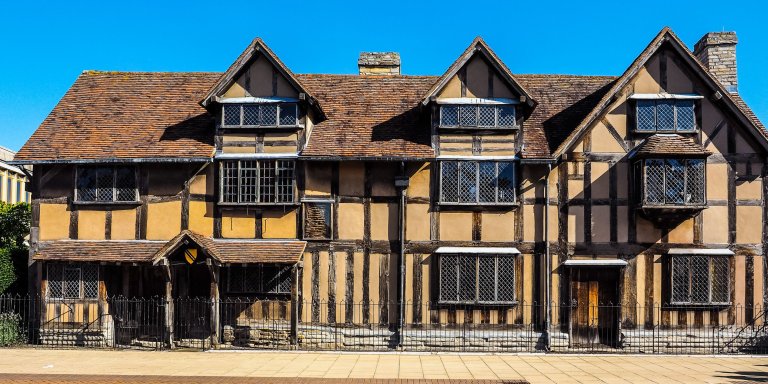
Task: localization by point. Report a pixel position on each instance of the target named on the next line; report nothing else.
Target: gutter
(117, 161)
(547, 265)
(402, 184)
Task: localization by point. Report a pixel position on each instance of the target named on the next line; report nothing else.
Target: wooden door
(585, 312)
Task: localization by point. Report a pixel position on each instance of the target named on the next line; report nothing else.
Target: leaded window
(477, 182)
(667, 115)
(259, 279)
(317, 220)
(257, 181)
(700, 279)
(73, 281)
(260, 115)
(477, 116)
(106, 184)
(476, 279)
(674, 182)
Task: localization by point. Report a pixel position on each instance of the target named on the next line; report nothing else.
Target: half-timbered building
(480, 207)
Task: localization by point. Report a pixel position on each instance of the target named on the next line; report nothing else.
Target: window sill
(235, 205)
(461, 304)
(665, 132)
(674, 207)
(107, 203)
(265, 127)
(478, 205)
(468, 128)
(695, 306)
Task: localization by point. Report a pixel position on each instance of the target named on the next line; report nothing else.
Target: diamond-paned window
(476, 279)
(477, 116)
(106, 184)
(477, 182)
(73, 281)
(258, 279)
(257, 181)
(260, 115)
(700, 279)
(674, 182)
(665, 116)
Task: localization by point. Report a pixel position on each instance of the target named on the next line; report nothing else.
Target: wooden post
(168, 302)
(295, 304)
(215, 272)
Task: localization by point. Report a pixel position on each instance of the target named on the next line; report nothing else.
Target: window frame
(644, 182)
(82, 294)
(477, 175)
(330, 204)
(278, 108)
(497, 110)
(476, 257)
(78, 172)
(710, 285)
(674, 102)
(259, 193)
(282, 270)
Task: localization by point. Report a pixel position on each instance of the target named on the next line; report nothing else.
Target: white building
(13, 181)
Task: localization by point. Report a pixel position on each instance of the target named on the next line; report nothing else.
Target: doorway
(595, 309)
(191, 293)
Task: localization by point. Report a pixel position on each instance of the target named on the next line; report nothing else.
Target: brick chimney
(717, 51)
(379, 63)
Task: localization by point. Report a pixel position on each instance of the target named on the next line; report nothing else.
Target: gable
(260, 79)
(478, 73)
(478, 78)
(666, 66)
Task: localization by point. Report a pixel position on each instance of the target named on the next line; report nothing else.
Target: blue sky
(45, 47)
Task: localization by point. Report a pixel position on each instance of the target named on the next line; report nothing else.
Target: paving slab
(69, 366)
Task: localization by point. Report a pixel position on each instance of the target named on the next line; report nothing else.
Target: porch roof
(129, 251)
(142, 251)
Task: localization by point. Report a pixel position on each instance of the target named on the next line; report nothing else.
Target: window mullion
(477, 182)
(114, 184)
(477, 278)
(258, 180)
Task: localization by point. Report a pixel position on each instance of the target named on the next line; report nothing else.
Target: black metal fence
(251, 323)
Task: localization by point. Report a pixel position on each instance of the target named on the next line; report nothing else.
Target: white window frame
(477, 202)
(259, 196)
(497, 257)
(495, 126)
(278, 109)
(644, 170)
(710, 277)
(656, 102)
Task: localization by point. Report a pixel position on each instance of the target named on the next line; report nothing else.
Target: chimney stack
(379, 63)
(717, 51)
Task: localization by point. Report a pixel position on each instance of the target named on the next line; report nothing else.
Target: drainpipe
(401, 183)
(547, 264)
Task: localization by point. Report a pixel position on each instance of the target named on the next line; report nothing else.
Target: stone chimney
(379, 63)
(717, 51)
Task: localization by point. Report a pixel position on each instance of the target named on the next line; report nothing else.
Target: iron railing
(156, 323)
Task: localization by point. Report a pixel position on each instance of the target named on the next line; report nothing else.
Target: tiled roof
(225, 251)
(564, 101)
(122, 115)
(668, 144)
(369, 116)
(259, 251)
(98, 250)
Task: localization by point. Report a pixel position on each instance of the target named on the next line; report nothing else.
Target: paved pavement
(80, 366)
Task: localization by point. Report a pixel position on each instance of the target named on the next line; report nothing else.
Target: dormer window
(257, 115)
(665, 113)
(477, 116)
(673, 182)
